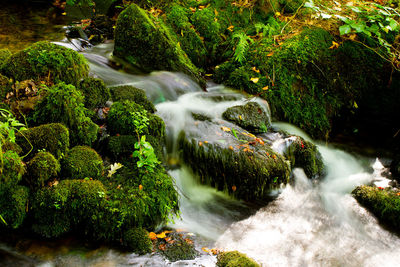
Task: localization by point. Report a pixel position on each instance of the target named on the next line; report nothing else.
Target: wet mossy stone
(146, 42)
(128, 92)
(235, 258)
(12, 168)
(41, 168)
(182, 248)
(53, 138)
(63, 103)
(48, 62)
(71, 205)
(82, 162)
(5, 87)
(304, 154)
(248, 172)
(13, 205)
(138, 240)
(383, 203)
(250, 116)
(95, 92)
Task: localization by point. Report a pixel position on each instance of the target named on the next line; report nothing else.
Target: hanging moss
(82, 162)
(138, 240)
(64, 104)
(53, 138)
(95, 92)
(44, 61)
(41, 168)
(235, 258)
(127, 92)
(13, 205)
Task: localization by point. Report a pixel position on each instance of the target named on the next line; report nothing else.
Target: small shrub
(82, 162)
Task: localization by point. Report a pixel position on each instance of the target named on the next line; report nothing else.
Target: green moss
(64, 104)
(82, 162)
(53, 138)
(95, 92)
(145, 41)
(4, 55)
(250, 116)
(47, 61)
(127, 118)
(182, 248)
(384, 204)
(157, 127)
(5, 87)
(13, 205)
(138, 240)
(304, 154)
(235, 258)
(127, 92)
(41, 168)
(11, 146)
(12, 168)
(67, 206)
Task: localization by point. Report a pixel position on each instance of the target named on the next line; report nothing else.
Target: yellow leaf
(255, 69)
(200, 143)
(205, 249)
(277, 14)
(192, 9)
(334, 45)
(225, 129)
(215, 12)
(162, 235)
(140, 187)
(231, 148)
(255, 80)
(208, 75)
(355, 105)
(230, 28)
(234, 188)
(65, 13)
(270, 54)
(202, 7)
(152, 236)
(182, 33)
(265, 88)
(240, 117)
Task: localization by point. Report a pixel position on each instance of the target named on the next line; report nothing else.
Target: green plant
(242, 46)
(145, 154)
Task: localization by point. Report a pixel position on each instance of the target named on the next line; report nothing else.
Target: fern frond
(242, 46)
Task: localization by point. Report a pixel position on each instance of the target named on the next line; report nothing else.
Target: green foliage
(64, 104)
(48, 62)
(95, 92)
(235, 258)
(82, 162)
(242, 46)
(138, 240)
(53, 138)
(13, 205)
(41, 168)
(12, 169)
(147, 159)
(127, 92)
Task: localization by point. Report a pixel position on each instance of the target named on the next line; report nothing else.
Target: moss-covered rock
(12, 168)
(4, 55)
(64, 103)
(5, 87)
(82, 162)
(13, 205)
(69, 205)
(304, 154)
(44, 61)
(138, 240)
(147, 42)
(248, 171)
(41, 168)
(250, 116)
(235, 258)
(11, 146)
(384, 204)
(181, 247)
(127, 92)
(53, 138)
(95, 92)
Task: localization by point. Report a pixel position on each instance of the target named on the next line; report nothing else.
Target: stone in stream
(231, 159)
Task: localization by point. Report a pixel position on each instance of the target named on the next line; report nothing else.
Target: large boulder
(147, 43)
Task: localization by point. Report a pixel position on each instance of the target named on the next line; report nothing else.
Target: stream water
(310, 223)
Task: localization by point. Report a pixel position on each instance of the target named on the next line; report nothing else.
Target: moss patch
(82, 162)
(41, 168)
(138, 240)
(127, 92)
(13, 205)
(95, 92)
(235, 258)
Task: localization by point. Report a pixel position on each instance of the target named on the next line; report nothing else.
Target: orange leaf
(200, 143)
(162, 247)
(205, 249)
(140, 187)
(231, 148)
(234, 188)
(270, 54)
(265, 88)
(152, 236)
(255, 69)
(230, 28)
(225, 129)
(334, 45)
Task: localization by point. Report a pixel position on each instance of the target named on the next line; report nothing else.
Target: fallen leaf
(231, 148)
(230, 28)
(265, 88)
(140, 187)
(254, 80)
(161, 235)
(162, 247)
(225, 129)
(234, 188)
(334, 45)
(152, 236)
(270, 54)
(205, 249)
(200, 143)
(255, 69)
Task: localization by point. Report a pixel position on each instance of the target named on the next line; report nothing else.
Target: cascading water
(309, 224)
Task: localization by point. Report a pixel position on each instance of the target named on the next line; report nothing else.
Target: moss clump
(384, 204)
(127, 92)
(12, 169)
(145, 41)
(5, 87)
(82, 162)
(53, 138)
(95, 92)
(235, 258)
(67, 206)
(11, 146)
(138, 240)
(41, 168)
(44, 61)
(64, 104)
(182, 248)
(304, 154)
(4, 55)
(156, 127)
(13, 205)
(250, 116)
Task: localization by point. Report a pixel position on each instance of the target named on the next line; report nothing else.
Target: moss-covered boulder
(53, 138)
(383, 203)
(65, 104)
(11, 168)
(44, 61)
(13, 205)
(235, 258)
(82, 162)
(147, 42)
(233, 160)
(128, 92)
(180, 247)
(95, 92)
(304, 154)
(250, 116)
(41, 168)
(138, 240)
(5, 87)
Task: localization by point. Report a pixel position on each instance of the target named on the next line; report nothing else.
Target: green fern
(242, 46)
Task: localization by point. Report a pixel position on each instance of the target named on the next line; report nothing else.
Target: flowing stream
(310, 223)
